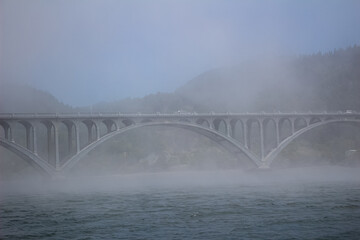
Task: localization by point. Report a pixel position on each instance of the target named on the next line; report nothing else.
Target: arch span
(222, 140)
(273, 154)
(29, 157)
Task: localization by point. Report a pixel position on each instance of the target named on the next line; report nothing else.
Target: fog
(185, 58)
(207, 56)
(186, 180)
(85, 52)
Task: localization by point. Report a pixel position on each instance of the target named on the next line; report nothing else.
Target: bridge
(258, 136)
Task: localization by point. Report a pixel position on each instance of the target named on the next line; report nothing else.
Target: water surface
(207, 205)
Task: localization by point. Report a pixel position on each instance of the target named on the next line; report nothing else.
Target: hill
(319, 82)
(16, 98)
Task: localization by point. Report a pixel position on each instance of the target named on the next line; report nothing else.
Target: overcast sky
(84, 52)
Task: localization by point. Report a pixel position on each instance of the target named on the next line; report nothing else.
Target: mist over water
(184, 179)
(296, 203)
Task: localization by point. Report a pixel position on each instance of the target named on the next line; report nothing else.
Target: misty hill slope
(16, 98)
(317, 82)
(159, 102)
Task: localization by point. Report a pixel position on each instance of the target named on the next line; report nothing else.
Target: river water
(286, 204)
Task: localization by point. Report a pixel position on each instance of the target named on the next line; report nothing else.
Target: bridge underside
(39, 164)
(223, 141)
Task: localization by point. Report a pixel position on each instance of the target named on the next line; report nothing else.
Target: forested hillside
(318, 82)
(15, 98)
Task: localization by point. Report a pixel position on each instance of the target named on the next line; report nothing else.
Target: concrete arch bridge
(259, 136)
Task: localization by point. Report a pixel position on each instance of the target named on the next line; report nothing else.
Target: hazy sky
(89, 51)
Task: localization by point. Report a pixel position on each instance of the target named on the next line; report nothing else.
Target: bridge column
(77, 136)
(28, 133)
(261, 123)
(56, 145)
(97, 129)
(69, 127)
(53, 143)
(6, 131)
(118, 123)
(49, 134)
(211, 122)
(90, 135)
(9, 134)
(292, 120)
(246, 140)
(228, 128)
(89, 124)
(70, 139)
(108, 125)
(34, 136)
(277, 130)
(28, 136)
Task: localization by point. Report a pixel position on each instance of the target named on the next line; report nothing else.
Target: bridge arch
(253, 129)
(285, 128)
(226, 142)
(238, 130)
(34, 160)
(128, 122)
(2, 131)
(110, 125)
(29, 132)
(314, 120)
(273, 154)
(269, 134)
(203, 122)
(6, 129)
(299, 123)
(93, 129)
(220, 125)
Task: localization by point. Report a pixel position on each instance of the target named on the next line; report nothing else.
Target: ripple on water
(218, 211)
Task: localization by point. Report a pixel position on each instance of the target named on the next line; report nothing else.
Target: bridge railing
(176, 114)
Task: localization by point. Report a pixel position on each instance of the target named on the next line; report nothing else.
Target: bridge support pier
(228, 128)
(49, 142)
(10, 131)
(277, 131)
(34, 137)
(28, 136)
(262, 140)
(69, 128)
(53, 143)
(77, 137)
(56, 143)
(97, 130)
(292, 126)
(246, 138)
